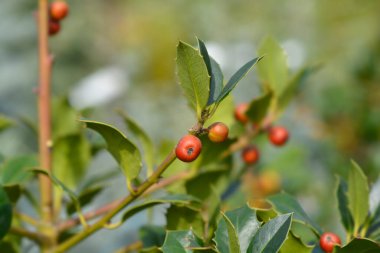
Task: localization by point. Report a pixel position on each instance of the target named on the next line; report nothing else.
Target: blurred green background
(121, 54)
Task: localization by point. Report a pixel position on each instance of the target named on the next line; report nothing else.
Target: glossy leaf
(178, 200)
(259, 107)
(193, 77)
(145, 140)
(295, 245)
(285, 203)
(233, 241)
(358, 193)
(122, 149)
(231, 84)
(5, 213)
(17, 170)
(245, 223)
(359, 246)
(271, 236)
(274, 70)
(71, 155)
(215, 73)
(180, 242)
(345, 213)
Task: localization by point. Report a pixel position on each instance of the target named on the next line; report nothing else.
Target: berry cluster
(277, 135)
(58, 10)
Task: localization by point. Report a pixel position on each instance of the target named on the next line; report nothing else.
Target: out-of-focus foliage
(127, 48)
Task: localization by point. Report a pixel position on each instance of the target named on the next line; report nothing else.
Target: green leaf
(64, 118)
(152, 235)
(178, 200)
(5, 213)
(295, 245)
(233, 241)
(193, 77)
(71, 155)
(13, 192)
(184, 218)
(359, 246)
(345, 213)
(122, 149)
(146, 142)
(224, 113)
(284, 203)
(84, 199)
(274, 70)
(181, 242)
(358, 193)
(5, 122)
(17, 170)
(246, 225)
(231, 84)
(292, 86)
(214, 71)
(271, 236)
(9, 247)
(259, 108)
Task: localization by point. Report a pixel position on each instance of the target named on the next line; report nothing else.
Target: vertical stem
(44, 112)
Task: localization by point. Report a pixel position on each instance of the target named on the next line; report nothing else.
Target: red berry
(328, 241)
(250, 155)
(278, 135)
(218, 132)
(240, 113)
(58, 10)
(188, 148)
(54, 27)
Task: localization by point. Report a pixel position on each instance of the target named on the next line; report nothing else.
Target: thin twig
(34, 236)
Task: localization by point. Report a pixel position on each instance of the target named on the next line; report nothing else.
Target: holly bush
(202, 196)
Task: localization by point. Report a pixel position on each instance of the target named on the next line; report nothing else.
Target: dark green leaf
(8, 247)
(146, 142)
(84, 198)
(193, 77)
(359, 246)
(259, 107)
(358, 193)
(123, 150)
(285, 203)
(271, 236)
(71, 155)
(274, 70)
(178, 200)
(295, 245)
(246, 225)
(181, 242)
(233, 241)
(152, 235)
(13, 192)
(345, 214)
(231, 84)
(214, 71)
(17, 170)
(5, 213)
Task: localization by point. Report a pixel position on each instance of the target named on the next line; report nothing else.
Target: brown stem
(34, 236)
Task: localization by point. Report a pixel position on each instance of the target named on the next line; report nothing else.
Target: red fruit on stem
(240, 113)
(218, 132)
(59, 10)
(328, 240)
(188, 148)
(250, 155)
(54, 27)
(278, 135)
